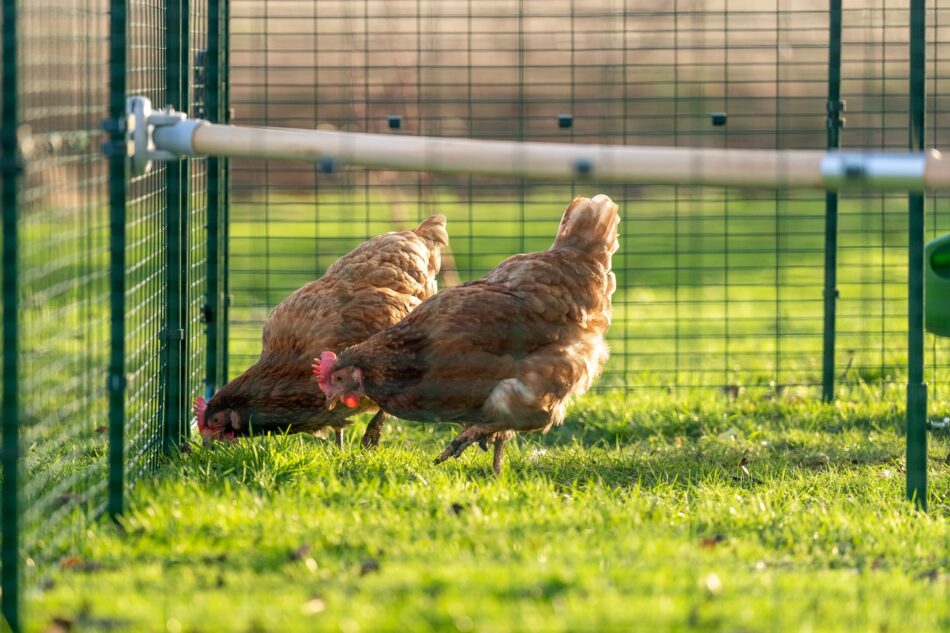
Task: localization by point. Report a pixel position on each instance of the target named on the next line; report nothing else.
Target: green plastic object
(937, 286)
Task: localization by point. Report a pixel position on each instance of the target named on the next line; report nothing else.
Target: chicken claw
(470, 436)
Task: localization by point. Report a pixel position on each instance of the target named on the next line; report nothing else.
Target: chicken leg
(373, 430)
(482, 435)
(338, 435)
(500, 440)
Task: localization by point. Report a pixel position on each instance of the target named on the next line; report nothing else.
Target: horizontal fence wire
(718, 289)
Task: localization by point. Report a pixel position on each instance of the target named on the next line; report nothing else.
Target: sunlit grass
(642, 513)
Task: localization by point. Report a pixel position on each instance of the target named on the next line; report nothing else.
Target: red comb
(322, 368)
(199, 411)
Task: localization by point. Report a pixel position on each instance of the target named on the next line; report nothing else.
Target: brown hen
(362, 293)
(502, 354)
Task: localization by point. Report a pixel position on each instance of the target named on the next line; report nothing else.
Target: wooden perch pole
(167, 135)
(604, 163)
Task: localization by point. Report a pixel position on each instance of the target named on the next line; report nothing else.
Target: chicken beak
(333, 401)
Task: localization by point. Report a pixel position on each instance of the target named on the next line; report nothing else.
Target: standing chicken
(363, 292)
(501, 354)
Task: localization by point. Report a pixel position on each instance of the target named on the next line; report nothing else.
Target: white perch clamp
(169, 135)
(160, 135)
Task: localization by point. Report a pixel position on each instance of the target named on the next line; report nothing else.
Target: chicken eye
(338, 378)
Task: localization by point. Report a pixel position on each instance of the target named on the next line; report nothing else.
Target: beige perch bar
(171, 135)
(604, 163)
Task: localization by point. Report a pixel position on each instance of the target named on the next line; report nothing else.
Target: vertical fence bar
(175, 338)
(213, 308)
(224, 318)
(834, 123)
(10, 167)
(916, 387)
(117, 179)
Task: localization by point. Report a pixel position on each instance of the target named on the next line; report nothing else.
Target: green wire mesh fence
(63, 275)
(105, 275)
(126, 297)
(720, 289)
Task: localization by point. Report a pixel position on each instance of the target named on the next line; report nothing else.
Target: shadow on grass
(586, 459)
(699, 463)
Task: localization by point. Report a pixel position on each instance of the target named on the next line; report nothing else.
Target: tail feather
(433, 229)
(590, 225)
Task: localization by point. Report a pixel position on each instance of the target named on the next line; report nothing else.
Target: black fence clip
(114, 127)
(327, 165)
(116, 382)
(835, 109)
(583, 167)
(11, 165)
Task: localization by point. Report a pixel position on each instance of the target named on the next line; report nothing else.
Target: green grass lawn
(642, 513)
(715, 495)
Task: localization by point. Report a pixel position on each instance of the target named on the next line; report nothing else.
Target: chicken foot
(373, 430)
(482, 436)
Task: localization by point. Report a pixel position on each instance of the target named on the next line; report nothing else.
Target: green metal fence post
(117, 179)
(834, 122)
(214, 302)
(10, 167)
(916, 387)
(175, 338)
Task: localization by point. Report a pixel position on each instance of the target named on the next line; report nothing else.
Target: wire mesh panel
(938, 135)
(717, 288)
(197, 267)
(83, 239)
(872, 270)
(63, 306)
(145, 252)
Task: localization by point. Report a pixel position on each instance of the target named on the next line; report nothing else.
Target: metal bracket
(939, 425)
(897, 172)
(163, 135)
